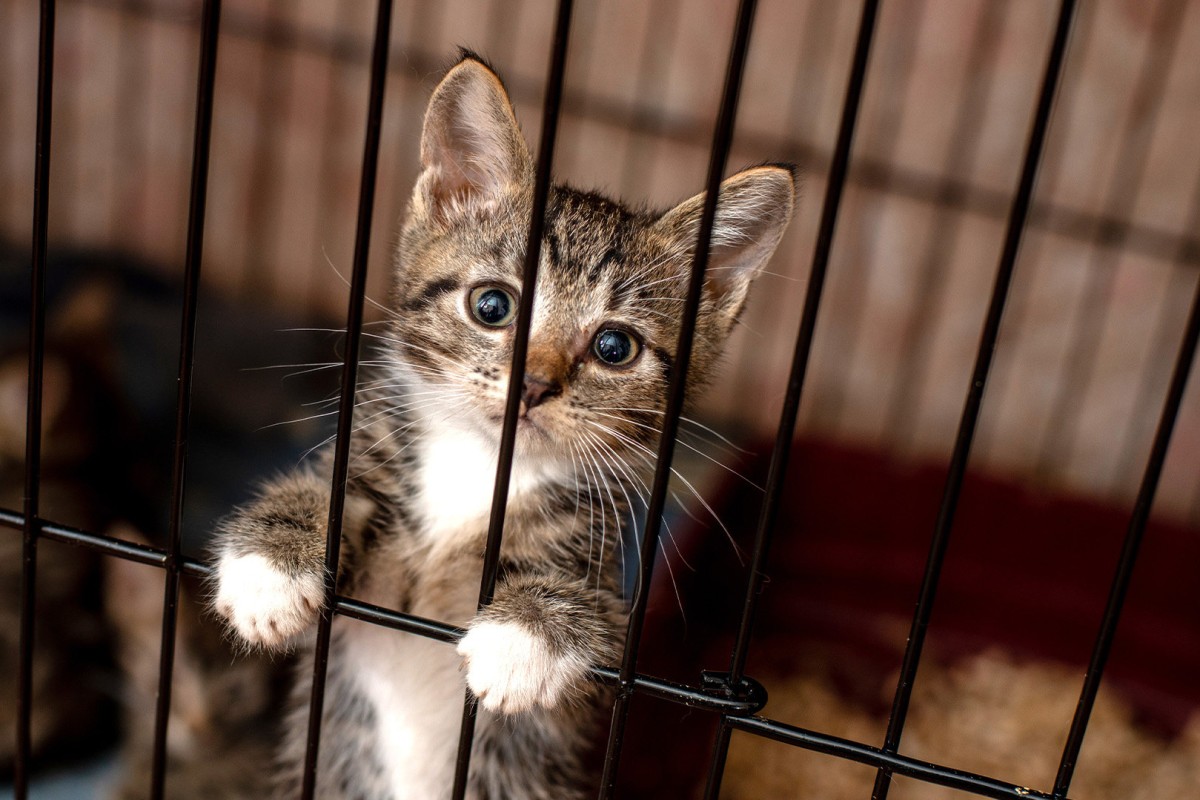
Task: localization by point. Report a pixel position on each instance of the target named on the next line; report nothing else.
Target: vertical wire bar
(551, 108)
(1121, 195)
(721, 145)
(1129, 551)
(209, 34)
(33, 411)
(354, 323)
(1018, 216)
(834, 188)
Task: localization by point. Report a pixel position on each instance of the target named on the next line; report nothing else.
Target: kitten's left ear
(472, 151)
(753, 210)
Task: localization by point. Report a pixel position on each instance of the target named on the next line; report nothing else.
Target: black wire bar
(209, 34)
(974, 401)
(704, 698)
(1129, 551)
(354, 323)
(834, 189)
(551, 108)
(721, 144)
(699, 698)
(885, 760)
(33, 411)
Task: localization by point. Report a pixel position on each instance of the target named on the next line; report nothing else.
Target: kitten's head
(609, 292)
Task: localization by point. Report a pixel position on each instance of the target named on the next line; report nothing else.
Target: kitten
(424, 454)
(224, 711)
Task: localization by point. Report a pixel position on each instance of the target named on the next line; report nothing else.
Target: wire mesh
(734, 701)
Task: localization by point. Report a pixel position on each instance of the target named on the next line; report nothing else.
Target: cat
(71, 708)
(424, 453)
(224, 710)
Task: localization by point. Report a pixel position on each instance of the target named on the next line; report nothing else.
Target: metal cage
(733, 697)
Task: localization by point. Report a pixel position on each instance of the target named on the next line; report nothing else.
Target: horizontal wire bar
(868, 172)
(972, 406)
(891, 762)
(692, 696)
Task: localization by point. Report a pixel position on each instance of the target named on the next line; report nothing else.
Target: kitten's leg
(535, 643)
(270, 559)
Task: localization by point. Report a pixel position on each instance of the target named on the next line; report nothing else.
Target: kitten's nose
(538, 391)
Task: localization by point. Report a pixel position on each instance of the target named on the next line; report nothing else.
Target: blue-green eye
(615, 347)
(493, 306)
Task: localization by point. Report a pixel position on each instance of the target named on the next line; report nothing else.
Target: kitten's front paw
(511, 669)
(264, 605)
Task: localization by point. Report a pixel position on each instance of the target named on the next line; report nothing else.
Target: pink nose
(538, 391)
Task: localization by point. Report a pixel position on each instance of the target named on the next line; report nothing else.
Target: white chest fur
(416, 685)
(457, 479)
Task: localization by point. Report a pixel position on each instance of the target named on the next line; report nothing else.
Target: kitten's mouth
(525, 425)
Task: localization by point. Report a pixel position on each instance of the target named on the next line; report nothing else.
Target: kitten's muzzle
(537, 391)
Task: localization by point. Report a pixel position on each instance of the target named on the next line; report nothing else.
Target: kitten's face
(604, 330)
(609, 294)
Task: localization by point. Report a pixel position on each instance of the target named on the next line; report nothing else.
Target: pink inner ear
(472, 149)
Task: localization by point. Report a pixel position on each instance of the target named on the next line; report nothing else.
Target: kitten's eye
(615, 347)
(493, 306)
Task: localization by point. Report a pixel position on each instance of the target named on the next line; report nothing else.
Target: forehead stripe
(430, 292)
(611, 256)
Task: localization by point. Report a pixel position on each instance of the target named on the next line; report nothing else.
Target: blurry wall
(1107, 268)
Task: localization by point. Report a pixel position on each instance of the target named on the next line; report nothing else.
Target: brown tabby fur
(423, 458)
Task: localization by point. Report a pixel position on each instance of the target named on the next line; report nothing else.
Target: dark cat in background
(72, 674)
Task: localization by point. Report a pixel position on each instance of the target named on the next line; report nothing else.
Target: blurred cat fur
(225, 708)
(72, 670)
(601, 353)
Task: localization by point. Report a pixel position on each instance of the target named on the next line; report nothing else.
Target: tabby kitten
(424, 455)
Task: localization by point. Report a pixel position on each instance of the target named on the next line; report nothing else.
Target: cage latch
(746, 692)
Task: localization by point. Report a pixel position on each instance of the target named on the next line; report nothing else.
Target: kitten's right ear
(472, 150)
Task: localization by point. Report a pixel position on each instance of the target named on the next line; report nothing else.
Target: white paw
(511, 670)
(265, 606)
